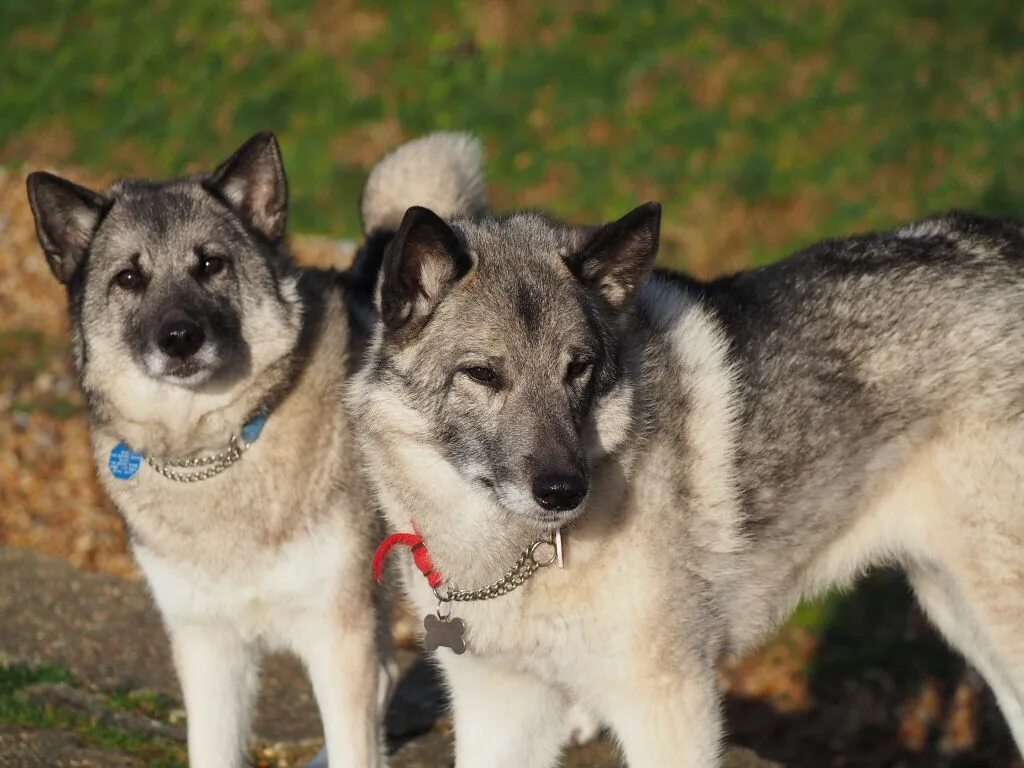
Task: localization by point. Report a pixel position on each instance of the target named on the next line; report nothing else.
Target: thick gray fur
(747, 442)
(274, 551)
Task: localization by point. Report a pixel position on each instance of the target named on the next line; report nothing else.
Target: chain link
(514, 577)
(202, 468)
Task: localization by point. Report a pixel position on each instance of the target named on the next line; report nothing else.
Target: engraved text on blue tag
(124, 462)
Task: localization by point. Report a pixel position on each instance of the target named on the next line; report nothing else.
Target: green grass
(816, 615)
(766, 126)
(149, 703)
(14, 677)
(15, 713)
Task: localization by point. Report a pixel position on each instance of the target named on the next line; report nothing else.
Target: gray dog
(712, 452)
(214, 369)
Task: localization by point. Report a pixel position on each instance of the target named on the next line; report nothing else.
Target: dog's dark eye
(482, 375)
(210, 265)
(577, 369)
(129, 279)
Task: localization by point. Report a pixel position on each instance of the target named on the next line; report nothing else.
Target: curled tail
(440, 171)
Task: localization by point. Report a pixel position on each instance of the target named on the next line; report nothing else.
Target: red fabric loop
(405, 539)
(420, 556)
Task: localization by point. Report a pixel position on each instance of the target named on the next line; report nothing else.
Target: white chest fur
(261, 598)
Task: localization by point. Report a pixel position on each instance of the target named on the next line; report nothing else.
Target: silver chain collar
(202, 468)
(524, 568)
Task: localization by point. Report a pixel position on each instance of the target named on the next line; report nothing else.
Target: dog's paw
(583, 727)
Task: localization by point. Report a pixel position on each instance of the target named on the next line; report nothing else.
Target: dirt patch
(49, 748)
(335, 26)
(366, 143)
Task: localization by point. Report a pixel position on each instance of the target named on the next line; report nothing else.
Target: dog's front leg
(218, 675)
(342, 659)
(667, 720)
(503, 719)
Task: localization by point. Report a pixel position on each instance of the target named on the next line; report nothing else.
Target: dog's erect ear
(421, 264)
(253, 182)
(66, 219)
(618, 257)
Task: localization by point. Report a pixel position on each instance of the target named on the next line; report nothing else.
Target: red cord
(420, 556)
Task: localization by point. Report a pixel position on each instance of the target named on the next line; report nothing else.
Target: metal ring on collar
(549, 560)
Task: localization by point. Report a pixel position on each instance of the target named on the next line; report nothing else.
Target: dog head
(179, 285)
(502, 338)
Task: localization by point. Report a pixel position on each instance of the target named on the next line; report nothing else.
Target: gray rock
(106, 631)
(95, 708)
(54, 749)
(53, 613)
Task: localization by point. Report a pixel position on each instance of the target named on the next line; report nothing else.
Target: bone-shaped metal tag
(447, 632)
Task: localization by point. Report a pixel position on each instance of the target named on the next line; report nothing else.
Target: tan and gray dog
(214, 369)
(713, 451)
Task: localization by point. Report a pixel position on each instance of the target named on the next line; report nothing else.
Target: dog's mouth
(185, 371)
(556, 520)
(521, 504)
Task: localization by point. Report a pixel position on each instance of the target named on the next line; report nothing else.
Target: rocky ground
(858, 680)
(92, 708)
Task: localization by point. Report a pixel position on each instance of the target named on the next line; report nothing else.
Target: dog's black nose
(181, 338)
(559, 491)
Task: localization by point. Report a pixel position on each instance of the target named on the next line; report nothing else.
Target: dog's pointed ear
(66, 219)
(423, 261)
(254, 183)
(617, 258)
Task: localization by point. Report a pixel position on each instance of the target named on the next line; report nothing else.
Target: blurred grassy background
(760, 126)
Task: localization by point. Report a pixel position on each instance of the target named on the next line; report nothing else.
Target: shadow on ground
(884, 690)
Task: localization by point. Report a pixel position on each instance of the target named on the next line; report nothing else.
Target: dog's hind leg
(503, 718)
(989, 635)
(965, 538)
(218, 674)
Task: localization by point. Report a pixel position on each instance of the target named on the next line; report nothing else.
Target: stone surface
(54, 749)
(106, 631)
(51, 612)
(94, 708)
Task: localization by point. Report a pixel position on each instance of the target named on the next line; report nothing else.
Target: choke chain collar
(443, 630)
(124, 463)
